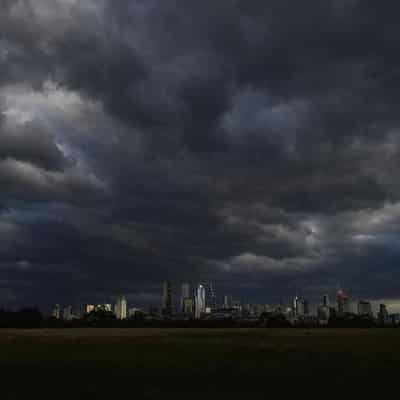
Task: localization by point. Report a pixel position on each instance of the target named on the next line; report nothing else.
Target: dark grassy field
(152, 363)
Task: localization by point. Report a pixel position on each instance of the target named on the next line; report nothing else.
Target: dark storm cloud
(32, 144)
(248, 142)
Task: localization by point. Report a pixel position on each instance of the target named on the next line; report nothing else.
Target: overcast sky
(251, 143)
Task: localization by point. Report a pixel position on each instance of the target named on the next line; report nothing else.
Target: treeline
(24, 318)
(31, 318)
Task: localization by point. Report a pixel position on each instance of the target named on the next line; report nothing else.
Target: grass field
(186, 363)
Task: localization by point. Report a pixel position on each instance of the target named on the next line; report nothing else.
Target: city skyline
(200, 303)
(200, 298)
(246, 143)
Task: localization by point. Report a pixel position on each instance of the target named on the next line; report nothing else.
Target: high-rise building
(200, 301)
(88, 308)
(134, 312)
(188, 306)
(350, 306)
(323, 314)
(103, 307)
(300, 307)
(56, 312)
(383, 315)
(364, 308)
(121, 308)
(342, 301)
(295, 306)
(325, 300)
(166, 306)
(306, 307)
(227, 301)
(185, 295)
(211, 299)
(186, 290)
(67, 313)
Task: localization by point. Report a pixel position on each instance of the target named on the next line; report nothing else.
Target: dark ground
(197, 364)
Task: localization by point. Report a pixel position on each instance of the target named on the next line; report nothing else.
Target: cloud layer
(255, 144)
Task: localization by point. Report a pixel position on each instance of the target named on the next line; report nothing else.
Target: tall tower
(211, 298)
(296, 306)
(342, 300)
(200, 301)
(185, 295)
(383, 314)
(56, 312)
(166, 307)
(121, 308)
(227, 301)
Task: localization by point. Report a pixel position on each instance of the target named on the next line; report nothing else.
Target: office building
(300, 307)
(134, 312)
(227, 303)
(295, 306)
(186, 294)
(88, 308)
(323, 314)
(365, 308)
(103, 307)
(342, 301)
(121, 308)
(166, 306)
(211, 299)
(67, 313)
(188, 306)
(383, 315)
(307, 310)
(56, 312)
(237, 305)
(186, 290)
(325, 301)
(200, 301)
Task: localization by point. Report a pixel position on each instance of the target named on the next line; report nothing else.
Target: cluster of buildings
(119, 310)
(343, 307)
(189, 302)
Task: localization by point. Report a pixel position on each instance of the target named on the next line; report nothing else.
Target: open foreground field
(185, 363)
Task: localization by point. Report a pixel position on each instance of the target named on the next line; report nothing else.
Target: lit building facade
(185, 295)
(56, 312)
(200, 301)
(121, 308)
(67, 313)
(342, 301)
(188, 306)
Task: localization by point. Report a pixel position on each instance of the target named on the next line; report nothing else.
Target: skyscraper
(342, 301)
(188, 306)
(200, 301)
(227, 301)
(185, 295)
(325, 301)
(121, 308)
(306, 307)
(211, 299)
(383, 314)
(67, 313)
(56, 312)
(166, 307)
(295, 306)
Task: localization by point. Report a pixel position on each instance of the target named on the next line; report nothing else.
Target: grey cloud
(32, 143)
(259, 136)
